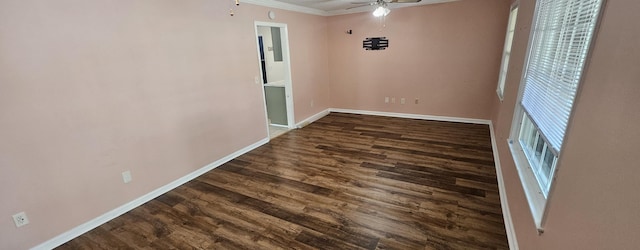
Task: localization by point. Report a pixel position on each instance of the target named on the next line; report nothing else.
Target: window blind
(561, 38)
(506, 54)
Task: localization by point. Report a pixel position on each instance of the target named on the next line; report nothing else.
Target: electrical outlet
(416, 101)
(393, 100)
(256, 79)
(20, 219)
(386, 99)
(312, 103)
(126, 176)
(402, 100)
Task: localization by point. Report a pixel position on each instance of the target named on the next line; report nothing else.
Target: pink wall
(89, 89)
(595, 201)
(446, 55)
(309, 63)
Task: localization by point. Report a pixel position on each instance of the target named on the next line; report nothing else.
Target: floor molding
(312, 118)
(259, 197)
(89, 225)
(506, 214)
(413, 116)
(508, 222)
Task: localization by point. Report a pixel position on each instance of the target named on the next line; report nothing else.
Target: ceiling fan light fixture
(381, 11)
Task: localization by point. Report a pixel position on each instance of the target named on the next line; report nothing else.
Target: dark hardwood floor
(344, 182)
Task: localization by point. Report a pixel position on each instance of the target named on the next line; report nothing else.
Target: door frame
(288, 86)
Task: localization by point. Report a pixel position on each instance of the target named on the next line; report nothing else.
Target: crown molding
(312, 11)
(287, 6)
(391, 6)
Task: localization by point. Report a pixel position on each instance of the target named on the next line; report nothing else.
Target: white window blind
(561, 38)
(506, 54)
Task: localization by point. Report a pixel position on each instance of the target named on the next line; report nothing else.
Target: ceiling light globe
(380, 11)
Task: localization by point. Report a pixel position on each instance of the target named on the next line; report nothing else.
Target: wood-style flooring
(343, 182)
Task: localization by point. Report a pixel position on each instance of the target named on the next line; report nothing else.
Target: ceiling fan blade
(362, 5)
(405, 1)
(365, 2)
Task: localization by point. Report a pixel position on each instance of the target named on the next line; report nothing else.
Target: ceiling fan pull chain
(382, 22)
(237, 3)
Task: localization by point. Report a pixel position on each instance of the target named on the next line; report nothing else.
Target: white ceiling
(330, 7)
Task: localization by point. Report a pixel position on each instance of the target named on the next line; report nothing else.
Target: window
(276, 40)
(506, 54)
(561, 35)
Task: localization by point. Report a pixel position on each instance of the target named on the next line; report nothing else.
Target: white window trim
(536, 200)
(535, 197)
(502, 76)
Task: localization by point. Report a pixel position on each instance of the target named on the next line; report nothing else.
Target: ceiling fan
(381, 9)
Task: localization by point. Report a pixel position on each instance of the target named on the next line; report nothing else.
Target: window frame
(504, 63)
(536, 198)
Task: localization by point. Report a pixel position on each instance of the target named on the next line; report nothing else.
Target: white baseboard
(87, 226)
(508, 222)
(413, 116)
(312, 118)
(506, 214)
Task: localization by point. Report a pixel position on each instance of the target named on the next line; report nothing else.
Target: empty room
(319, 124)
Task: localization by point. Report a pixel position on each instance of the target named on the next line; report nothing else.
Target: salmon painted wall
(594, 203)
(309, 62)
(446, 55)
(89, 89)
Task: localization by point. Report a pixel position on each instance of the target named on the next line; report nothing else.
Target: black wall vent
(375, 43)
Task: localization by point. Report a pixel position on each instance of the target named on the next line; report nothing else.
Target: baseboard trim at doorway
(312, 118)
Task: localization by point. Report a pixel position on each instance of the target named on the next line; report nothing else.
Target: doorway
(272, 43)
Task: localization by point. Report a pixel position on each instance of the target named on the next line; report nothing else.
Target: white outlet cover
(402, 100)
(20, 219)
(126, 176)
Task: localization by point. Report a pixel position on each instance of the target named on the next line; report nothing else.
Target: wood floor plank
(343, 182)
